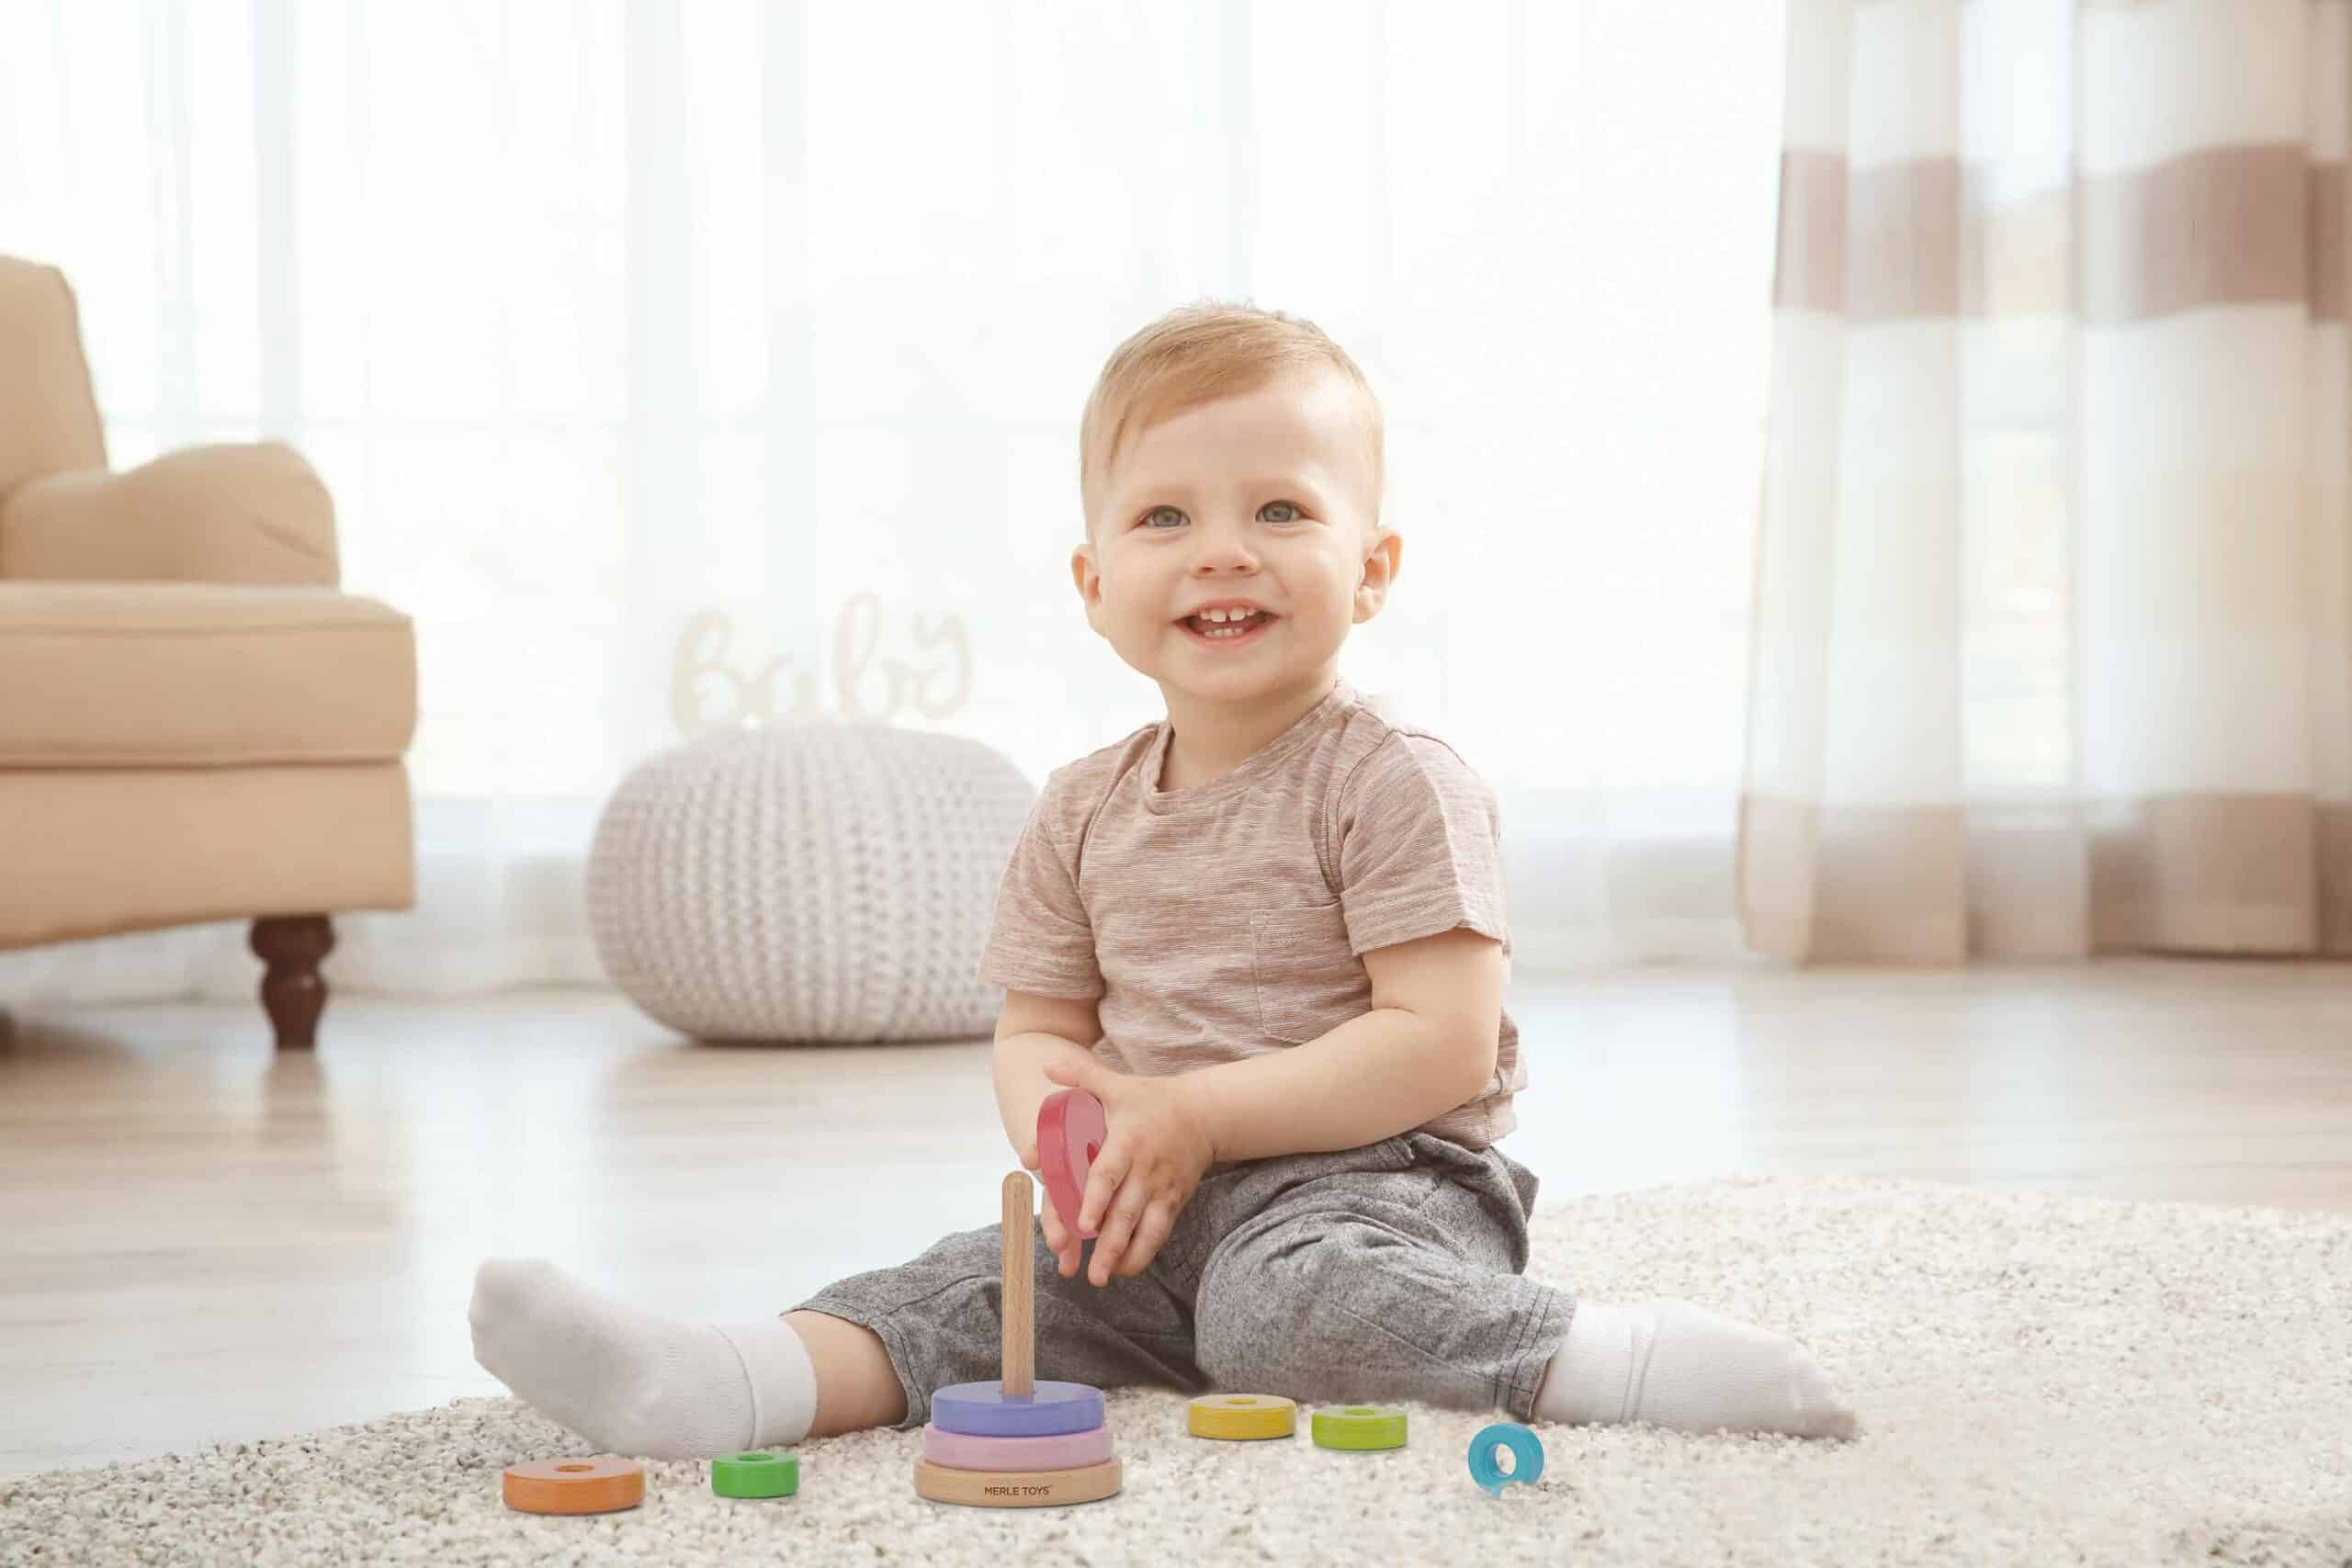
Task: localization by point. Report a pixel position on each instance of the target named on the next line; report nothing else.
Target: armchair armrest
(247, 512)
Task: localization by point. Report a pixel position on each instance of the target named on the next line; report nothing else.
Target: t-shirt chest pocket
(1309, 982)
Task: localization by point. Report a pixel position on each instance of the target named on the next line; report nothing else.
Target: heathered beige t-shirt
(1224, 921)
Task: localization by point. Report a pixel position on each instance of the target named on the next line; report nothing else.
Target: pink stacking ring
(1070, 1133)
(1062, 1450)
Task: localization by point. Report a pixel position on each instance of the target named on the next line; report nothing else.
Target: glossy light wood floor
(203, 1240)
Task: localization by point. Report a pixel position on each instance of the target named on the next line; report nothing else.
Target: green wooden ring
(1360, 1426)
(755, 1475)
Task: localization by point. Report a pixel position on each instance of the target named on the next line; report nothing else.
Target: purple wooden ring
(1059, 1450)
(985, 1410)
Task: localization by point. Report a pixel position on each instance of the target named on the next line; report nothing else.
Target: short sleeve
(1041, 940)
(1420, 846)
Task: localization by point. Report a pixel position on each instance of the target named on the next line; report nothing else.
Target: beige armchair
(195, 724)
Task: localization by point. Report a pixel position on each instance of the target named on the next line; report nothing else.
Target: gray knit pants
(1393, 1272)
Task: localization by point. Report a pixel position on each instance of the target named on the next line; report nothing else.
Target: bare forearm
(1377, 1074)
(1021, 1082)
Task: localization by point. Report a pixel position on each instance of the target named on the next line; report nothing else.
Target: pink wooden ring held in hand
(1070, 1130)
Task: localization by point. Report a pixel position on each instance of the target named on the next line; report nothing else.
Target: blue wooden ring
(1526, 1456)
(985, 1410)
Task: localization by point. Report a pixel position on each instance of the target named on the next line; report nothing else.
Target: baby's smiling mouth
(1226, 630)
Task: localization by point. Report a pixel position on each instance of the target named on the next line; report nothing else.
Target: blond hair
(1197, 354)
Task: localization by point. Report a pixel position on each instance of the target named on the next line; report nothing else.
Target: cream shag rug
(2041, 1379)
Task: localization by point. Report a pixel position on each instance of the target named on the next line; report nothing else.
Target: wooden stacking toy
(598, 1485)
(1016, 1442)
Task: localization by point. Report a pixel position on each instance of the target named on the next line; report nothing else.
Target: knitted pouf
(821, 880)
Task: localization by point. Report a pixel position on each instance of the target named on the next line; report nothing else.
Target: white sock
(633, 1383)
(1674, 1363)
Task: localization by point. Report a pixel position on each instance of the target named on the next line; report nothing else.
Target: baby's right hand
(1058, 1241)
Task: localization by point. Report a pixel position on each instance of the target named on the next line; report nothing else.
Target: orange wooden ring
(597, 1485)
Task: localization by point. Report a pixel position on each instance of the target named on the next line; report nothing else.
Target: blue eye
(1146, 519)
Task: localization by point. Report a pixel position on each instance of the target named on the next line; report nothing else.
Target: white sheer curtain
(2054, 621)
(668, 359)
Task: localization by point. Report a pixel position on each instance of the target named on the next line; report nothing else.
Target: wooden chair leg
(291, 989)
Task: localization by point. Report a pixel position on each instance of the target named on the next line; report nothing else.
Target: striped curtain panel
(2053, 589)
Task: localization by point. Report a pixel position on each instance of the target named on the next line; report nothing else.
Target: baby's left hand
(1151, 1160)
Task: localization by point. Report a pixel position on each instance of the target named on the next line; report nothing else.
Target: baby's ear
(1379, 571)
(1088, 578)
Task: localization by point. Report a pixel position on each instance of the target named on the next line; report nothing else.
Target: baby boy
(1268, 933)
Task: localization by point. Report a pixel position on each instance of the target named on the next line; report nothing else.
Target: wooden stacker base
(1016, 1488)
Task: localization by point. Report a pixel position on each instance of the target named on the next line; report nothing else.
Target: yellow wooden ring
(1241, 1416)
(1016, 1488)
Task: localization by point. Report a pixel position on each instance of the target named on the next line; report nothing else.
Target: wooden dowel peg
(1020, 1364)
